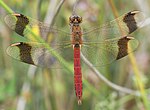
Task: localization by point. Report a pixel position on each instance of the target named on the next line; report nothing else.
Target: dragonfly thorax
(76, 34)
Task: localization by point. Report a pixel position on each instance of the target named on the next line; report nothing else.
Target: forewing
(120, 27)
(103, 53)
(23, 25)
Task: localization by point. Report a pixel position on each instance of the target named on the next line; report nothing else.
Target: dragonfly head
(75, 19)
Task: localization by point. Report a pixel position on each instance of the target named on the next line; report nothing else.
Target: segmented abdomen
(77, 74)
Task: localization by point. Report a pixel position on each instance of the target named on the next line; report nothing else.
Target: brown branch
(109, 83)
(52, 13)
(39, 4)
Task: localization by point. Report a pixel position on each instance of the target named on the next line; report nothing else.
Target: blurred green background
(25, 87)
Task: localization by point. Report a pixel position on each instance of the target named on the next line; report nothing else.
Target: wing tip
(12, 15)
(10, 19)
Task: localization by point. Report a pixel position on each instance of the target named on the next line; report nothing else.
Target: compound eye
(71, 19)
(80, 19)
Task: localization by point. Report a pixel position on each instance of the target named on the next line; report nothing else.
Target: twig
(52, 13)
(74, 7)
(110, 84)
(39, 4)
(26, 89)
(57, 10)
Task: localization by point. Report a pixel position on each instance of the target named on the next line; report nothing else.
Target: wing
(103, 53)
(40, 54)
(23, 25)
(120, 27)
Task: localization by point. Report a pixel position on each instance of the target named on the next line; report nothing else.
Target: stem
(110, 84)
(140, 84)
(5, 7)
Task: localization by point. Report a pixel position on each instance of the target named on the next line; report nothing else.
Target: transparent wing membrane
(103, 53)
(37, 54)
(101, 45)
(23, 25)
(120, 27)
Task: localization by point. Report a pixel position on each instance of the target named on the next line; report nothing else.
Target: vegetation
(121, 85)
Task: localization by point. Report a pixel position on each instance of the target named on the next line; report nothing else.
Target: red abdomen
(77, 74)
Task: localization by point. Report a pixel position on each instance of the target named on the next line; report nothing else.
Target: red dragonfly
(95, 42)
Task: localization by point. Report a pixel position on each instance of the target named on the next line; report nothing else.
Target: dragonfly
(100, 45)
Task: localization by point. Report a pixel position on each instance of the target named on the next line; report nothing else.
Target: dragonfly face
(75, 20)
(97, 47)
